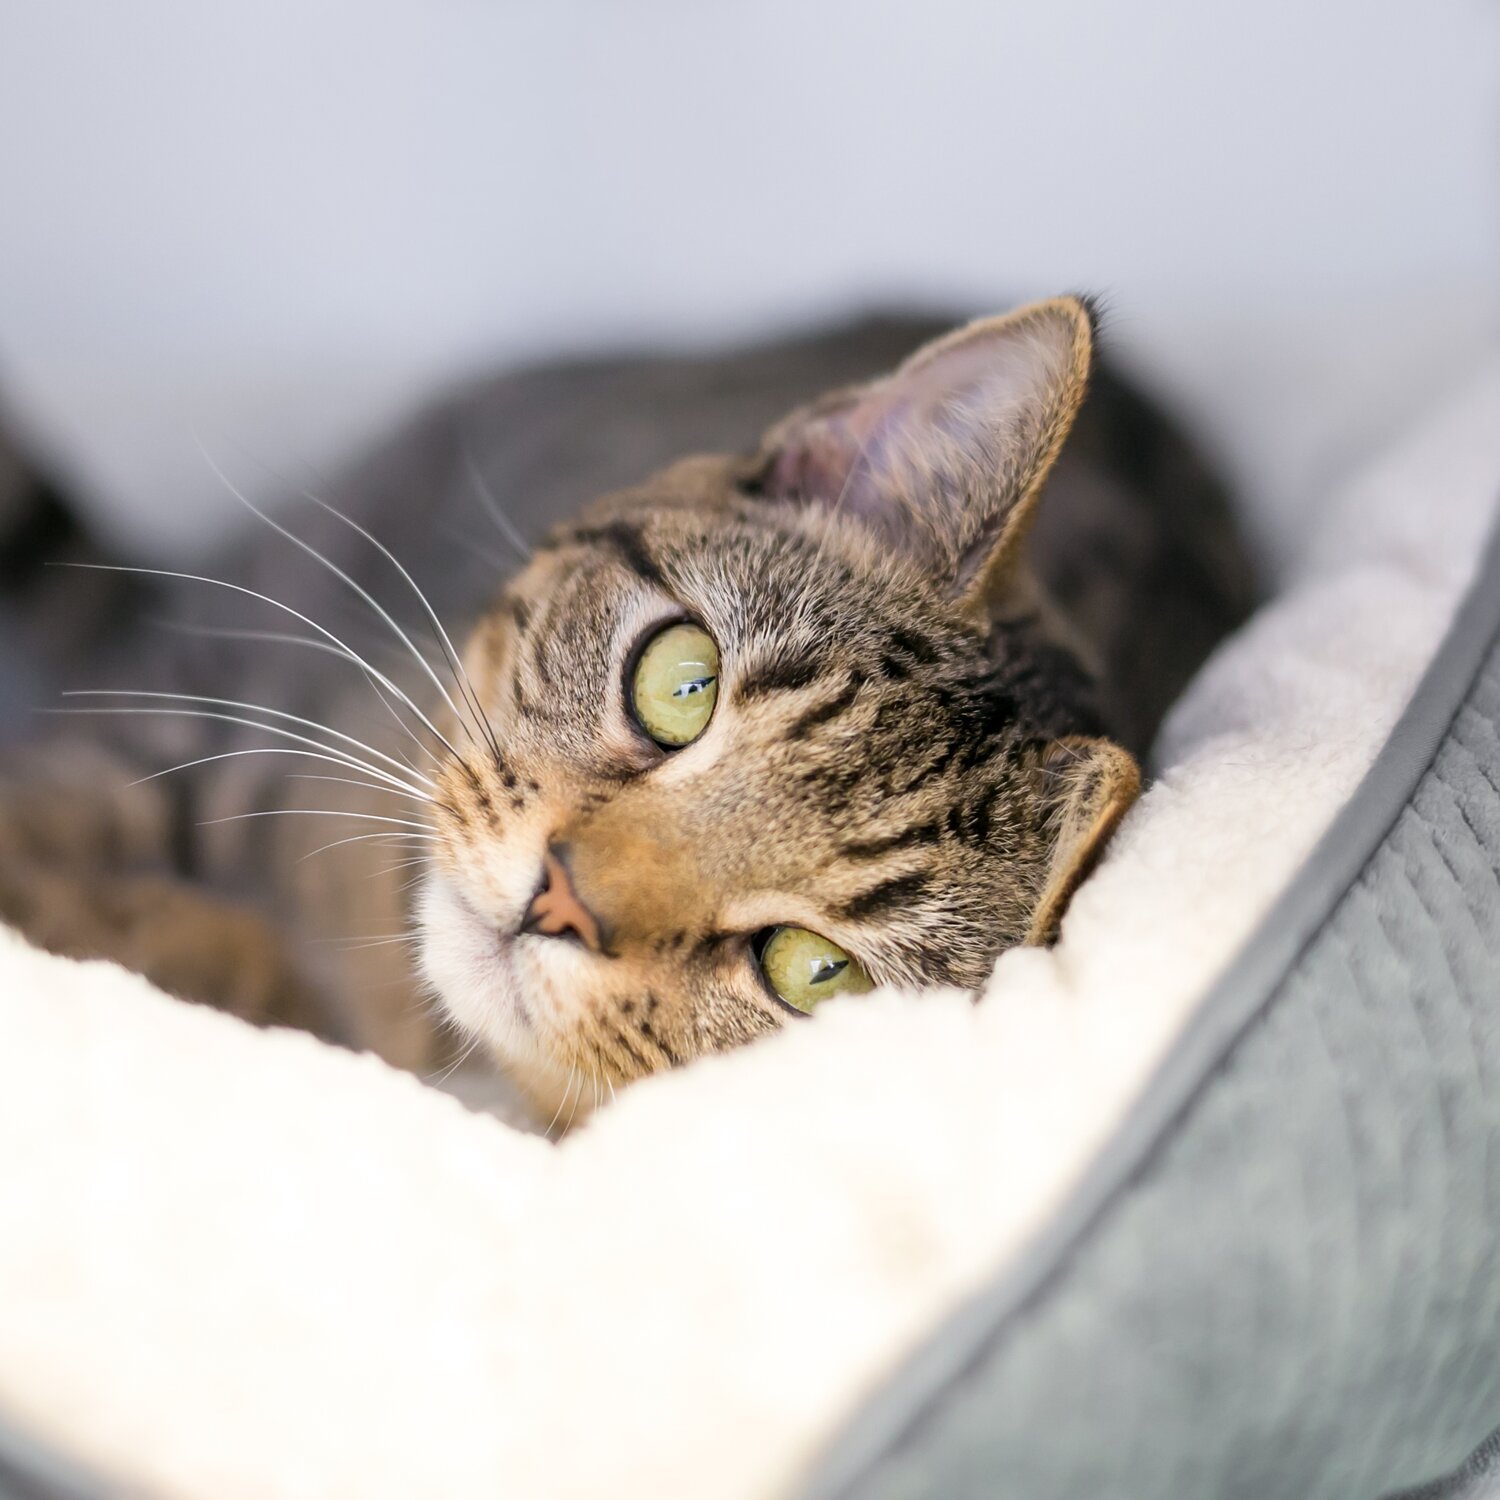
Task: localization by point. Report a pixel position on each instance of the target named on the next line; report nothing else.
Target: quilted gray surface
(1478, 1479)
(1285, 1282)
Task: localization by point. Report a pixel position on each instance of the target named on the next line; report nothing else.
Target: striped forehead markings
(888, 895)
(913, 837)
(629, 546)
(782, 674)
(827, 711)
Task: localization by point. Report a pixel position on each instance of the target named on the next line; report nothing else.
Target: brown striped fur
(877, 768)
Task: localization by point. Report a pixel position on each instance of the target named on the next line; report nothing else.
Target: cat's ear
(945, 457)
(1089, 785)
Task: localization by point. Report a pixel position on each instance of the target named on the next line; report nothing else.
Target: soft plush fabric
(240, 1263)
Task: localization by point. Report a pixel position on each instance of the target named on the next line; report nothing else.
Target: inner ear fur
(946, 456)
(1091, 784)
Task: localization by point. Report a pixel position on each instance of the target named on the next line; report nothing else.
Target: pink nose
(556, 909)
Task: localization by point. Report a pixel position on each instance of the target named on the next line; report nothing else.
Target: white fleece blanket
(242, 1264)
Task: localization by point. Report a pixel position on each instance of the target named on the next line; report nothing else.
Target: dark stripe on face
(544, 632)
(885, 897)
(918, 647)
(623, 1042)
(706, 944)
(661, 1044)
(979, 821)
(836, 784)
(626, 541)
(824, 712)
(907, 651)
(923, 774)
(985, 747)
(908, 838)
(983, 704)
(781, 676)
(977, 824)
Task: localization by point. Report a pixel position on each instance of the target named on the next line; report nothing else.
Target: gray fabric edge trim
(898, 1407)
(30, 1470)
(1477, 1478)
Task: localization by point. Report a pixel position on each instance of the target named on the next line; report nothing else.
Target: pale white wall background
(275, 224)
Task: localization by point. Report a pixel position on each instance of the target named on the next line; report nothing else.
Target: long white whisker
(376, 678)
(358, 945)
(352, 781)
(497, 511)
(197, 713)
(573, 1113)
(338, 573)
(455, 662)
(468, 543)
(204, 760)
(408, 839)
(572, 1077)
(457, 1063)
(860, 460)
(313, 812)
(237, 588)
(274, 713)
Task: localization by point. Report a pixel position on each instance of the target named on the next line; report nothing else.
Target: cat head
(770, 729)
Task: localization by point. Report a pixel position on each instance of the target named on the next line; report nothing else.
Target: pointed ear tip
(1086, 316)
(1098, 749)
(1106, 772)
(1091, 306)
(1075, 316)
(1100, 782)
(1124, 773)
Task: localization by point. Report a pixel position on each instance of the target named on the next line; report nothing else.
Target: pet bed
(1202, 1201)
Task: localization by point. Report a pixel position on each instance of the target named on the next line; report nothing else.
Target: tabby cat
(853, 706)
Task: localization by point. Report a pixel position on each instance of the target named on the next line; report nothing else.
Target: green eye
(675, 685)
(804, 968)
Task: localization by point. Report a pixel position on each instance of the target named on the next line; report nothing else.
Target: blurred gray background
(273, 226)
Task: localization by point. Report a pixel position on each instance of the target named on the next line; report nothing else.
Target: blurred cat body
(931, 684)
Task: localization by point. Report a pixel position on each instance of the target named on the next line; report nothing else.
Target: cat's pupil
(825, 969)
(687, 689)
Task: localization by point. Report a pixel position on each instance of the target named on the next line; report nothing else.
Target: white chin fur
(474, 972)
